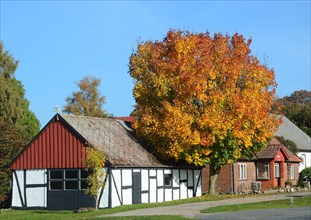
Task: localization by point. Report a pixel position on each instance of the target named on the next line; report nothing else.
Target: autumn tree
(297, 108)
(202, 99)
(95, 163)
(88, 100)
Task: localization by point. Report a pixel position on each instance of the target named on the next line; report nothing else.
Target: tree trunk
(213, 174)
(96, 202)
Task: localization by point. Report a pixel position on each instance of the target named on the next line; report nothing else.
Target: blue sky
(59, 42)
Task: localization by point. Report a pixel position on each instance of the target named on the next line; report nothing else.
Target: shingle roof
(291, 132)
(118, 144)
(270, 151)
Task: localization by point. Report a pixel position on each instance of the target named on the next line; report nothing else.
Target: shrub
(306, 172)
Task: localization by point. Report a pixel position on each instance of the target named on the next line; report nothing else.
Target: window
(168, 179)
(263, 170)
(243, 171)
(68, 179)
(277, 170)
(292, 172)
(303, 162)
(56, 180)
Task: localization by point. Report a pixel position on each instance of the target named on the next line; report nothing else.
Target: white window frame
(266, 166)
(277, 173)
(292, 172)
(242, 171)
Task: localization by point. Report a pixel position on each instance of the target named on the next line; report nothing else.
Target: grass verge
(284, 203)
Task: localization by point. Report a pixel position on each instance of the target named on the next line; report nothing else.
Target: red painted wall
(56, 146)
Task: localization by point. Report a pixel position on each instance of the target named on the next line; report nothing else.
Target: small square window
(71, 184)
(83, 184)
(84, 174)
(71, 174)
(168, 179)
(56, 174)
(56, 185)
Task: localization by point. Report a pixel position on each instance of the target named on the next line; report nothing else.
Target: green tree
(17, 123)
(88, 100)
(297, 108)
(12, 141)
(288, 143)
(14, 107)
(95, 162)
(202, 99)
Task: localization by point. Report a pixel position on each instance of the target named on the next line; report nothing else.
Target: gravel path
(192, 210)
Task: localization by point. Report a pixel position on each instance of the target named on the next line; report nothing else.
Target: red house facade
(273, 167)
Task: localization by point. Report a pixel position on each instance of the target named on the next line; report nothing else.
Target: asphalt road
(192, 210)
(299, 213)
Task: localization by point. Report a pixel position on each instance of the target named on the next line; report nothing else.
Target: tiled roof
(270, 151)
(291, 156)
(291, 132)
(116, 141)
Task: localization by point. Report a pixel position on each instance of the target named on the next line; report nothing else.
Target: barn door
(136, 192)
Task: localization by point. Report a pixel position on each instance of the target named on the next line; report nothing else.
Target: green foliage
(95, 162)
(87, 101)
(288, 143)
(11, 142)
(297, 108)
(17, 123)
(306, 172)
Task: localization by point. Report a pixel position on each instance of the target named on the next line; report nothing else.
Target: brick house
(273, 167)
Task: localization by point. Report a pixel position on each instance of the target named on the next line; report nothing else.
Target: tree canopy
(14, 107)
(297, 108)
(202, 99)
(88, 100)
(17, 123)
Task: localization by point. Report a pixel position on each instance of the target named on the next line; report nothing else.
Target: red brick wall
(223, 183)
(244, 185)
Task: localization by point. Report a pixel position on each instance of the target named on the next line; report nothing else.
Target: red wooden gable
(56, 146)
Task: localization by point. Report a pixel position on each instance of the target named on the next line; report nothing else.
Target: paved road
(299, 213)
(192, 210)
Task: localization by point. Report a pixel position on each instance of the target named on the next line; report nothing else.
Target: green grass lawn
(46, 215)
(284, 203)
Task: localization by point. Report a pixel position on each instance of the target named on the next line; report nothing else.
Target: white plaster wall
(160, 177)
(144, 197)
(183, 185)
(104, 201)
(176, 194)
(307, 162)
(144, 180)
(127, 196)
(160, 195)
(190, 178)
(115, 189)
(168, 195)
(36, 197)
(153, 190)
(127, 177)
(196, 179)
(175, 178)
(16, 201)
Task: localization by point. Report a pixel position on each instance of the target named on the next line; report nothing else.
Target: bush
(306, 172)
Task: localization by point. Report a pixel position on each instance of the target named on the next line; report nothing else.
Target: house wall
(185, 183)
(244, 185)
(29, 189)
(56, 146)
(306, 157)
(296, 173)
(223, 183)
